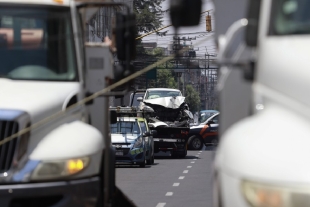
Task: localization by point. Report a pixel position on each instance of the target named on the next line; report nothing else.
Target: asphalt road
(170, 182)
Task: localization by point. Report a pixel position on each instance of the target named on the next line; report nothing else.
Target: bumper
(169, 144)
(57, 194)
(136, 156)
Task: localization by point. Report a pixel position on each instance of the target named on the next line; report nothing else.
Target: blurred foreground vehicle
(257, 164)
(49, 153)
(205, 133)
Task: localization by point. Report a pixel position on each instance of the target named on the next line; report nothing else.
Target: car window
(215, 119)
(134, 101)
(125, 127)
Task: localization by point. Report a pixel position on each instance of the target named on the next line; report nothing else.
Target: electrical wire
(59, 114)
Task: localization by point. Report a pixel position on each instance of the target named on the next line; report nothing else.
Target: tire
(195, 143)
(184, 153)
(149, 161)
(143, 163)
(153, 159)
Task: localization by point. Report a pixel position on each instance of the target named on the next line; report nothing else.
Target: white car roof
(132, 119)
(163, 89)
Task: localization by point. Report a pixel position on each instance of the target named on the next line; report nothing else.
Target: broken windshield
(36, 44)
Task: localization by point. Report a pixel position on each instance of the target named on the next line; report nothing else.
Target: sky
(198, 31)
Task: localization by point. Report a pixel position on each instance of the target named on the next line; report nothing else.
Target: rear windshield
(125, 127)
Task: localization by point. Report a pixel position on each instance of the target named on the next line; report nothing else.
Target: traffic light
(208, 23)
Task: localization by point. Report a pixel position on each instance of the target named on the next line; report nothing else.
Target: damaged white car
(171, 119)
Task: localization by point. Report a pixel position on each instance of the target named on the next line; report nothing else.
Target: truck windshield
(290, 17)
(125, 127)
(36, 44)
(161, 94)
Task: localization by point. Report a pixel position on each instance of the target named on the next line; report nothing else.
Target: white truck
(262, 160)
(58, 158)
(170, 119)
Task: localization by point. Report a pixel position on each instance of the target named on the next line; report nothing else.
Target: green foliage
(157, 52)
(165, 79)
(148, 14)
(192, 98)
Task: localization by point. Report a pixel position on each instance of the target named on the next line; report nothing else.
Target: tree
(165, 79)
(192, 98)
(148, 14)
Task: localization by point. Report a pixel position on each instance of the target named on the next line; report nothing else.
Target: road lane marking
(181, 177)
(200, 151)
(194, 159)
(193, 162)
(185, 171)
(197, 155)
(160, 204)
(189, 166)
(176, 184)
(169, 193)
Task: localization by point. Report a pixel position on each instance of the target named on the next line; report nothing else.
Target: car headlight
(59, 169)
(138, 143)
(264, 195)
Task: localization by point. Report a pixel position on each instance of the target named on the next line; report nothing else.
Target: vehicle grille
(7, 151)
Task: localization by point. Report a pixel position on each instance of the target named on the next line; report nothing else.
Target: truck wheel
(195, 143)
(184, 153)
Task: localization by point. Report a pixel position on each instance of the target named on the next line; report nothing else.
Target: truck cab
(49, 153)
(171, 119)
(261, 159)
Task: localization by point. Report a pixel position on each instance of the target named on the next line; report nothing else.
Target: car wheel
(153, 159)
(149, 161)
(195, 143)
(143, 163)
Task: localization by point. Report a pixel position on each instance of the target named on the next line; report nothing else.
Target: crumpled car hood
(168, 102)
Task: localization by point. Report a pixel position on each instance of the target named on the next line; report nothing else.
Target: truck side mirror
(113, 117)
(185, 12)
(139, 99)
(251, 32)
(125, 32)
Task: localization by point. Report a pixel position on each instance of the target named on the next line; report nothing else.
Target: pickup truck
(170, 119)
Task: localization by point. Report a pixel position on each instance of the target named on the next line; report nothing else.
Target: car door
(143, 130)
(213, 130)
